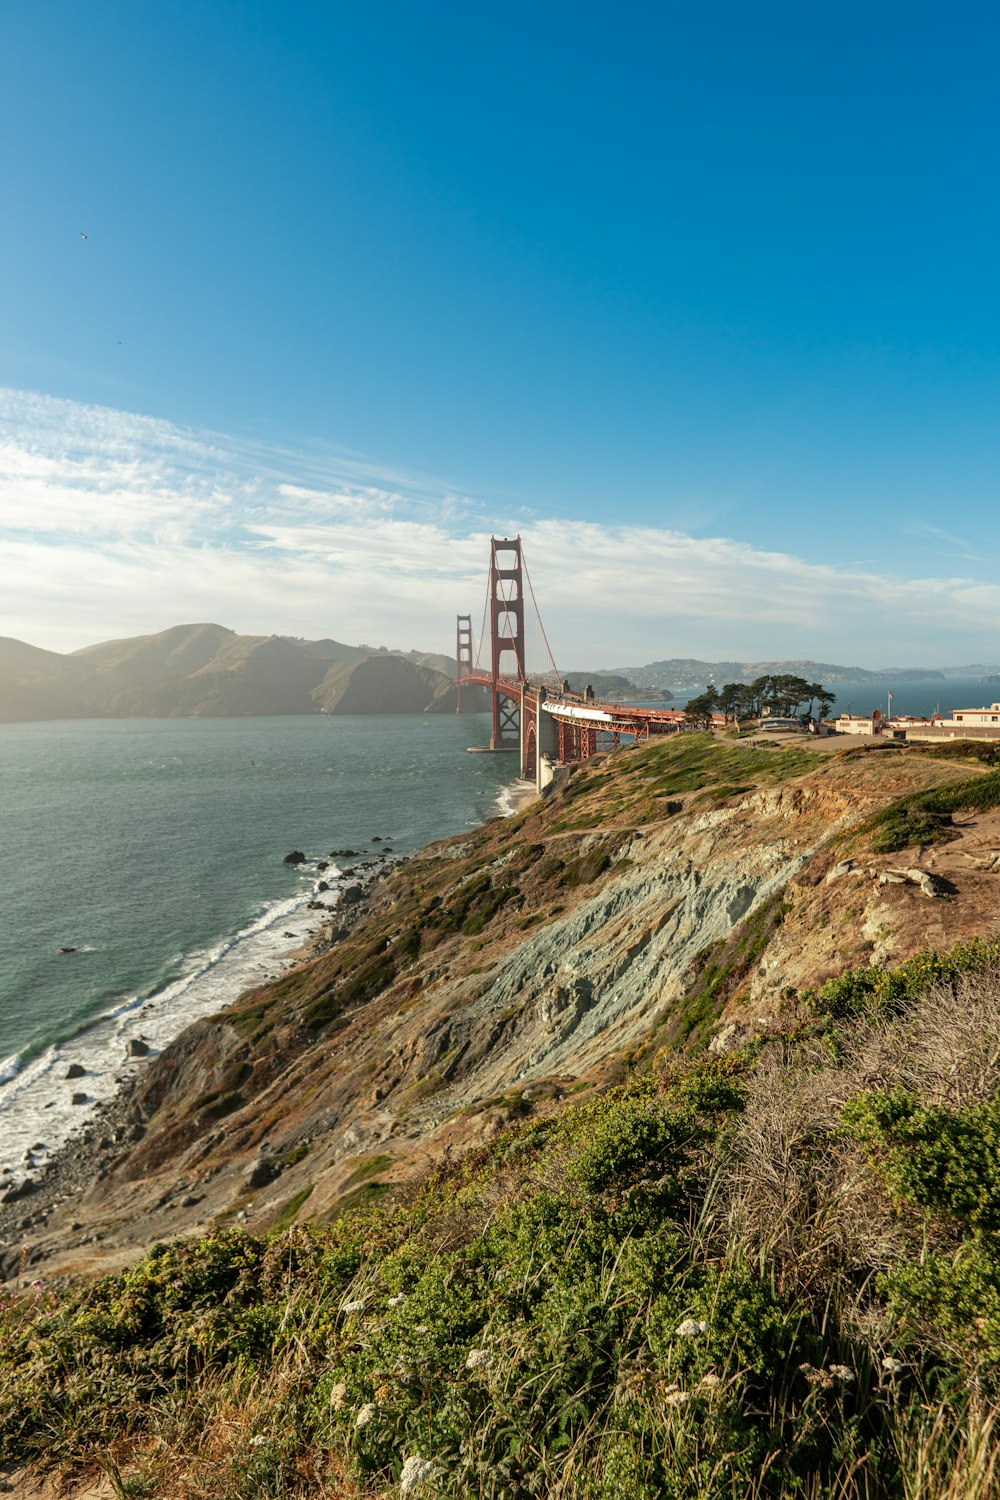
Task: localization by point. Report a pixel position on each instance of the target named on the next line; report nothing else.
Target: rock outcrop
(680, 892)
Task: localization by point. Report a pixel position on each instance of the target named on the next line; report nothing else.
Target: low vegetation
(775, 1272)
(644, 784)
(928, 817)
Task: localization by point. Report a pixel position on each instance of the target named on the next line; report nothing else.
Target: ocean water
(919, 697)
(154, 848)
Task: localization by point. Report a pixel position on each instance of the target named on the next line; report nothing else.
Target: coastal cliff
(682, 893)
(642, 1144)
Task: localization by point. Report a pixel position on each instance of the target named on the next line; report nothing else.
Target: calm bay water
(920, 697)
(154, 848)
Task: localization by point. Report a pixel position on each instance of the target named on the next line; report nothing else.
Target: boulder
(137, 1048)
(68, 950)
(260, 1172)
(78, 1099)
(322, 885)
(350, 895)
(932, 886)
(296, 857)
(20, 1190)
(76, 1070)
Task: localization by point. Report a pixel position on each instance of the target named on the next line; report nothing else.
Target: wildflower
(892, 1366)
(692, 1326)
(816, 1377)
(676, 1398)
(421, 1329)
(710, 1382)
(841, 1372)
(478, 1359)
(415, 1471)
(353, 1307)
(397, 1301)
(260, 1441)
(338, 1395)
(365, 1415)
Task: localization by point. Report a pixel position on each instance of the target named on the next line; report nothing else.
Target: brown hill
(147, 660)
(384, 685)
(207, 670)
(43, 684)
(19, 703)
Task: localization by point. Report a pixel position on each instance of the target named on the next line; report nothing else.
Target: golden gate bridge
(535, 713)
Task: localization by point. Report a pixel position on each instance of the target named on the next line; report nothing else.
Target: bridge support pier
(546, 743)
(506, 637)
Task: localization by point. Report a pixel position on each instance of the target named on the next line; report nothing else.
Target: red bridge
(535, 712)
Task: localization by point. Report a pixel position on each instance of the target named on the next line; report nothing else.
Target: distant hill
(384, 684)
(208, 671)
(685, 674)
(605, 684)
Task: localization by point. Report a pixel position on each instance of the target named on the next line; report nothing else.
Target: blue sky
(701, 298)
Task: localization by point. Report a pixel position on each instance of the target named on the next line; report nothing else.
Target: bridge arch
(530, 766)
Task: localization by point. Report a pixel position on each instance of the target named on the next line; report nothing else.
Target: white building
(975, 718)
(860, 723)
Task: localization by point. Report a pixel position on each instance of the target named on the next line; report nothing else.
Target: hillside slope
(663, 888)
(700, 1221)
(207, 670)
(385, 684)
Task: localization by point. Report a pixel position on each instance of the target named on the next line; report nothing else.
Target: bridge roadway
(551, 726)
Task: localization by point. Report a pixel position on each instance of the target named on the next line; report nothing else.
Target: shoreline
(48, 1175)
(115, 1123)
(53, 1096)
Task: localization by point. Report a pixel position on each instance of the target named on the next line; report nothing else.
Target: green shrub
(926, 817)
(944, 1161)
(880, 990)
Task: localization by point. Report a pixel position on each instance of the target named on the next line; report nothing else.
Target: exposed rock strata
(661, 890)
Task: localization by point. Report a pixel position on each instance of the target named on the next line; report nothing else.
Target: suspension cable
(538, 616)
(482, 628)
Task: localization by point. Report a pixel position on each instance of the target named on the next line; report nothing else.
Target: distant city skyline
(299, 304)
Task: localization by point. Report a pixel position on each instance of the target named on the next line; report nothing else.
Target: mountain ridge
(207, 670)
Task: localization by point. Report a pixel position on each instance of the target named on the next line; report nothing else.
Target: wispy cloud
(947, 540)
(114, 524)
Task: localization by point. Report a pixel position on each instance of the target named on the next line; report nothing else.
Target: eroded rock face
(493, 974)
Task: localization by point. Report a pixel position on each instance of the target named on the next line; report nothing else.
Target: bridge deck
(573, 707)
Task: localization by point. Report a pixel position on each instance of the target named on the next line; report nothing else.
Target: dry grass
(791, 1187)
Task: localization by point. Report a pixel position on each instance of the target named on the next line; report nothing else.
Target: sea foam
(36, 1108)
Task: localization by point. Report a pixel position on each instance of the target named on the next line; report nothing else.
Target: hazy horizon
(303, 305)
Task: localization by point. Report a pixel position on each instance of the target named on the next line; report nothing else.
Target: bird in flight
(84, 236)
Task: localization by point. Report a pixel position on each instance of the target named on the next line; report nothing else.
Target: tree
(736, 701)
(699, 710)
(826, 701)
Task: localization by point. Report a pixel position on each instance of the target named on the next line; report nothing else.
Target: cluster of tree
(783, 695)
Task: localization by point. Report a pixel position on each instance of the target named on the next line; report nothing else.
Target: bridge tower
(506, 606)
(463, 656)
